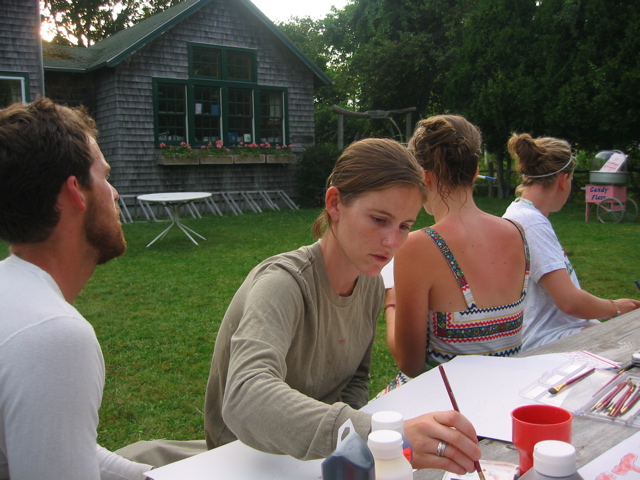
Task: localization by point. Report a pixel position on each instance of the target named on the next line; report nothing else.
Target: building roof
(121, 45)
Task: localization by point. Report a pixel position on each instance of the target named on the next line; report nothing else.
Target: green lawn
(156, 310)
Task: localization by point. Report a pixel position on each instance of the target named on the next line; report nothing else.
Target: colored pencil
(455, 407)
(557, 388)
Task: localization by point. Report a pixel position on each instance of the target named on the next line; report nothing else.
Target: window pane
(240, 115)
(10, 91)
(271, 118)
(207, 114)
(206, 62)
(239, 66)
(172, 118)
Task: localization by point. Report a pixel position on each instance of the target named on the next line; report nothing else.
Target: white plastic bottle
(390, 420)
(553, 460)
(391, 464)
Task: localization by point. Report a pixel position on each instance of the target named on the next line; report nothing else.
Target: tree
(597, 78)
(85, 22)
(564, 68)
(382, 55)
(312, 37)
(492, 81)
(398, 51)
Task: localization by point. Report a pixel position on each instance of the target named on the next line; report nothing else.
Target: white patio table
(174, 200)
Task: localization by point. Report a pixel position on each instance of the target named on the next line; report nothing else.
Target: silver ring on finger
(441, 447)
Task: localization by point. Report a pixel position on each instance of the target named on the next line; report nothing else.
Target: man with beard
(59, 215)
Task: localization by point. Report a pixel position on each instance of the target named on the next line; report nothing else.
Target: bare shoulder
(502, 227)
(417, 246)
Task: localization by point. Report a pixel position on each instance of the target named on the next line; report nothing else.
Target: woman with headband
(555, 305)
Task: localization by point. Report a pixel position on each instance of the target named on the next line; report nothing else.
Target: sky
(282, 10)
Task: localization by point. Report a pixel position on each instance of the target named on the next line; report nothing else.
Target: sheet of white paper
(239, 462)
(621, 460)
(486, 389)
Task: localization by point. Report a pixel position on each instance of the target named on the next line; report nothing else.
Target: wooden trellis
(374, 114)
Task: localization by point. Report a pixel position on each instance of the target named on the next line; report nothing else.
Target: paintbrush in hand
(455, 407)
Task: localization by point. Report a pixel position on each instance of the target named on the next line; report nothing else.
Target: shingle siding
(20, 44)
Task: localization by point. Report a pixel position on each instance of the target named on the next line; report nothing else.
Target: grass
(156, 310)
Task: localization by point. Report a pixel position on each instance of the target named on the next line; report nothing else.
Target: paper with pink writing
(614, 163)
(621, 462)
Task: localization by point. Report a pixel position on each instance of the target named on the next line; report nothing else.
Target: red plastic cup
(535, 423)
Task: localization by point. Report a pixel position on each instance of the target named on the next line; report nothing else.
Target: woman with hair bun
(460, 284)
(555, 306)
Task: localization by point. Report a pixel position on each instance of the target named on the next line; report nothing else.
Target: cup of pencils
(535, 423)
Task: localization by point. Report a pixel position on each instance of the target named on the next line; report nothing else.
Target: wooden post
(340, 131)
(408, 126)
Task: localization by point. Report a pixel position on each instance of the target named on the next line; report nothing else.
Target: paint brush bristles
(557, 388)
(455, 407)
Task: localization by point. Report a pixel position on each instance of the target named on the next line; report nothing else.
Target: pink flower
(162, 145)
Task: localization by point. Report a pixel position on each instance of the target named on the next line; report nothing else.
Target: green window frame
(240, 115)
(206, 115)
(219, 101)
(171, 112)
(14, 87)
(205, 62)
(240, 65)
(272, 119)
(223, 63)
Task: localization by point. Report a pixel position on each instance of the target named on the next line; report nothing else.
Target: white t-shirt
(51, 377)
(387, 275)
(543, 321)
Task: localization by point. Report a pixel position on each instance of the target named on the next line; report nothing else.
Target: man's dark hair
(41, 145)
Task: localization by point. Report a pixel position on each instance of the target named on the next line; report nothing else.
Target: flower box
(216, 159)
(162, 160)
(281, 158)
(249, 159)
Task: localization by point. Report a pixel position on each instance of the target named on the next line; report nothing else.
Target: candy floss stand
(607, 188)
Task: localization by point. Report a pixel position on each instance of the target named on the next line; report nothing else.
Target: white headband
(552, 173)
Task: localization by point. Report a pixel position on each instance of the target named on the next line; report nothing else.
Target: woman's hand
(626, 305)
(426, 432)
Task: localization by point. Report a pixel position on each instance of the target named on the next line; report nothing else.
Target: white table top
(175, 197)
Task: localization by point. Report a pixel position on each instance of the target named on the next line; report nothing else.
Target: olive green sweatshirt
(291, 360)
